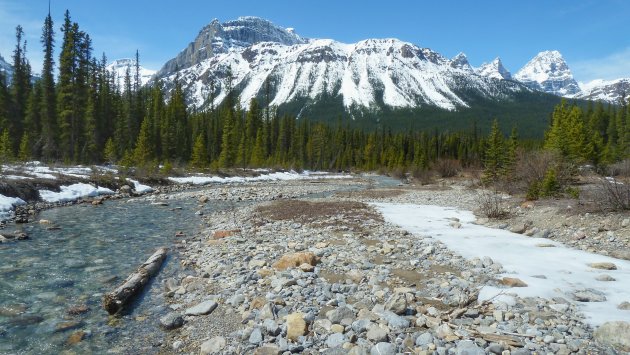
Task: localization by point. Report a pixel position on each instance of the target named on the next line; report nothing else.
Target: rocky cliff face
(217, 38)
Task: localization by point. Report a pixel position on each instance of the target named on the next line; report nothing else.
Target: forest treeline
(78, 114)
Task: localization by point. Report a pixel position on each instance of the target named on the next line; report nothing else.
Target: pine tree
(142, 154)
(228, 144)
(66, 114)
(24, 153)
(32, 120)
(20, 87)
(110, 153)
(494, 160)
(48, 102)
(6, 147)
(198, 157)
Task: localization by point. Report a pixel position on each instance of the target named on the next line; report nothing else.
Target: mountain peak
(120, 66)
(548, 72)
(460, 61)
(217, 37)
(495, 70)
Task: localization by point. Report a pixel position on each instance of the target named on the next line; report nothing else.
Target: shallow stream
(83, 253)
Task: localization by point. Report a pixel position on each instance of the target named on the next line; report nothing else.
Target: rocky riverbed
(283, 273)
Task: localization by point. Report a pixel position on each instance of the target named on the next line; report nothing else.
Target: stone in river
(171, 321)
(78, 309)
(76, 337)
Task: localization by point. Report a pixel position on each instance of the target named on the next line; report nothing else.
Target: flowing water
(91, 252)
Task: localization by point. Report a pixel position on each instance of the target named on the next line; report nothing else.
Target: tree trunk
(114, 301)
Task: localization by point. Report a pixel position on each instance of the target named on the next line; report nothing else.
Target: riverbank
(314, 266)
(330, 274)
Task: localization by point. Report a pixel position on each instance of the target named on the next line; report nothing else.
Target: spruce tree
(142, 154)
(48, 103)
(494, 160)
(198, 157)
(20, 87)
(66, 114)
(24, 152)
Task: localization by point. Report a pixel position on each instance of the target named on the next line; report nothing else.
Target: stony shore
(280, 273)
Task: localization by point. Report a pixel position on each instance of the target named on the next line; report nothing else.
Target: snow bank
(35, 169)
(74, 192)
(7, 204)
(565, 270)
(139, 188)
(290, 175)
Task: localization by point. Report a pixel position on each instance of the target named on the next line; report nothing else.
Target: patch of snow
(74, 192)
(7, 204)
(284, 176)
(566, 270)
(140, 188)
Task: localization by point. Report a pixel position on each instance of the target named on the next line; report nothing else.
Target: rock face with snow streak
(257, 59)
(548, 72)
(494, 70)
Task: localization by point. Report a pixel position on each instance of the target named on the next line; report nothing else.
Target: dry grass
(308, 211)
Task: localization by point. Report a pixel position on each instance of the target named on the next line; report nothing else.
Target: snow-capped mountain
(460, 61)
(6, 69)
(548, 72)
(119, 68)
(494, 70)
(612, 91)
(217, 38)
(258, 59)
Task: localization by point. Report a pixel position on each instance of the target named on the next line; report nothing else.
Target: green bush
(549, 186)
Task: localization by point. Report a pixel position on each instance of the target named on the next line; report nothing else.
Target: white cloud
(613, 66)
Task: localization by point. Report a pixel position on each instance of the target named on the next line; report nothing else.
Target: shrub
(167, 168)
(423, 176)
(448, 167)
(491, 204)
(614, 194)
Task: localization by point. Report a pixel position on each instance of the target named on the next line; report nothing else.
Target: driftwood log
(114, 301)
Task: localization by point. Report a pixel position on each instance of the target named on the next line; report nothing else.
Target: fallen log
(114, 301)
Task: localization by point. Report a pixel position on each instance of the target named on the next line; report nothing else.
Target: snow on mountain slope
(548, 72)
(605, 90)
(495, 70)
(119, 68)
(367, 74)
(460, 61)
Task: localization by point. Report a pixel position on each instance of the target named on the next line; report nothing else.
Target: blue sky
(591, 35)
